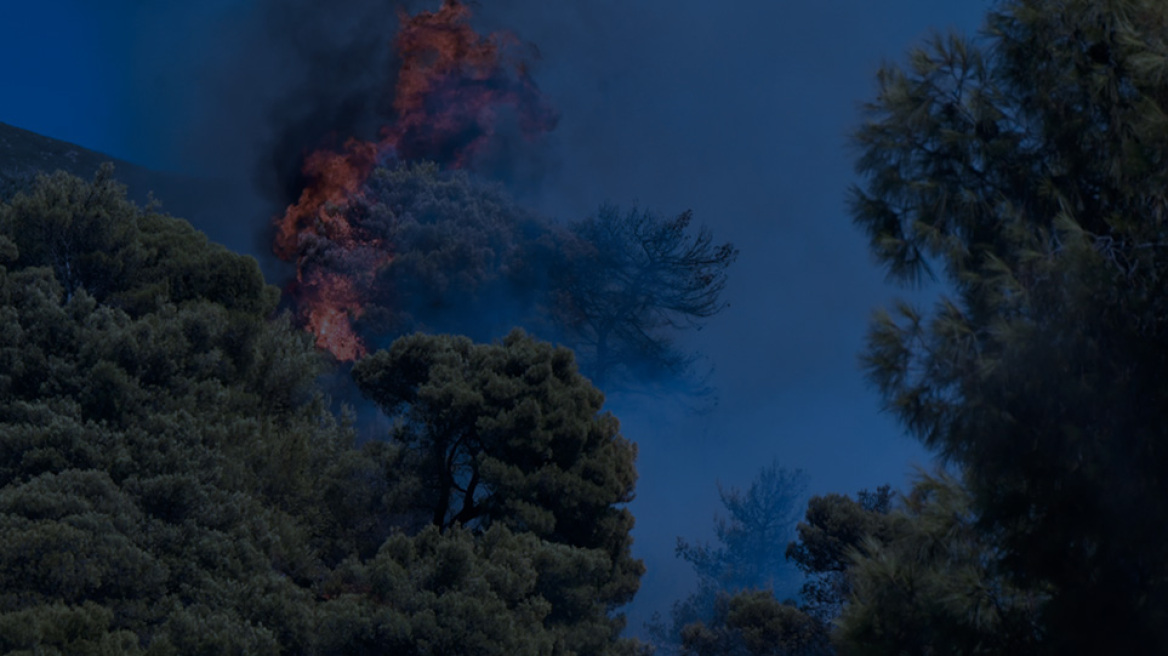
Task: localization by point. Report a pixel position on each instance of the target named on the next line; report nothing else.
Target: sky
(738, 111)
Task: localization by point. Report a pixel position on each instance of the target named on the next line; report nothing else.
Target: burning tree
(389, 237)
(450, 86)
(468, 260)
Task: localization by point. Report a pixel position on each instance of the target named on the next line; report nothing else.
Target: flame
(332, 301)
(450, 82)
(337, 179)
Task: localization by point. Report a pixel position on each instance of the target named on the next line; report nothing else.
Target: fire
(336, 180)
(332, 301)
(450, 84)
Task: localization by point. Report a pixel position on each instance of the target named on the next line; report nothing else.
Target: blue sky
(738, 111)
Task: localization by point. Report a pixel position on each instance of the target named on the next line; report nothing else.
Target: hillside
(229, 212)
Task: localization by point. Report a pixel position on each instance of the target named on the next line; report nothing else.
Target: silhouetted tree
(752, 538)
(754, 623)
(749, 556)
(1029, 170)
(631, 278)
(460, 256)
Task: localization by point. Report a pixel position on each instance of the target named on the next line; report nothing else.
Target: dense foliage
(833, 531)
(511, 435)
(929, 580)
(171, 482)
(155, 434)
(1028, 171)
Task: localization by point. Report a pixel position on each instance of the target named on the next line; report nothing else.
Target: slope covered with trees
(172, 482)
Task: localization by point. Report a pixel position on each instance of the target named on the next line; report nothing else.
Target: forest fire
(331, 301)
(451, 81)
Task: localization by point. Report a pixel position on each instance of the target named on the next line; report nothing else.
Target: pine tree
(931, 581)
(1027, 171)
(173, 482)
(511, 435)
(628, 281)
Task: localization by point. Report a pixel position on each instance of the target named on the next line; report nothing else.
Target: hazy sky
(736, 110)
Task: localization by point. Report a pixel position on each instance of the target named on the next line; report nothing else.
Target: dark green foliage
(171, 481)
(59, 629)
(1030, 169)
(511, 435)
(770, 628)
(143, 468)
(366, 495)
(628, 280)
(931, 582)
(833, 528)
(508, 433)
(94, 239)
(754, 623)
(441, 594)
(455, 592)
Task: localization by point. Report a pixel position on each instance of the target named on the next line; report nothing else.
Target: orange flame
(332, 300)
(450, 82)
(336, 180)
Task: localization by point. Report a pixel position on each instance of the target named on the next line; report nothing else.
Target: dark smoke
(288, 78)
(321, 73)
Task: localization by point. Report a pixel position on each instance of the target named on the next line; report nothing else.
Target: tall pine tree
(1027, 170)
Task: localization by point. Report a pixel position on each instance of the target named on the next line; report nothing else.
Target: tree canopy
(511, 435)
(931, 581)
(155, 435)
(1027, 171)
(628, 280)
(834, 529)
(172, 480)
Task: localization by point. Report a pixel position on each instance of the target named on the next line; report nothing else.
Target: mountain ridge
(228, 212)
(24, 153)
